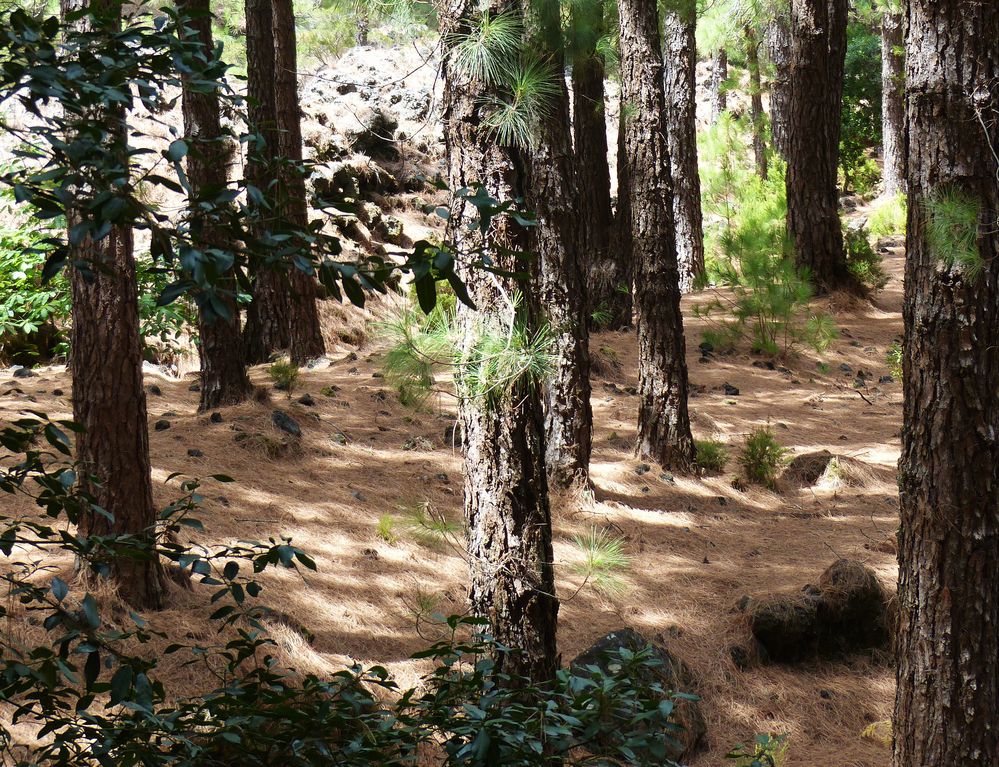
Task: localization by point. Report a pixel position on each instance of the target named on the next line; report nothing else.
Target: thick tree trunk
(506, 491)
(719, 76)
(663, 422)
(552, 195)
(267, 318)
(106, 364)
(818, 30)
(779, 51)
(756, 100)
(223, 370)
(948, 588)
(680, 59)
(306, 336)
(600, 256)
(892, 104)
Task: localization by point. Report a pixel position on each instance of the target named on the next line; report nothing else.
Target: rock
(453, 436)
(57, 392)
(389, 228)
(375, 134)
(194, 387)
(786, 626)
(161, 425)
(886, 380)
(359, 495)
(306, 399)
(667, 477)
(673, 676)
(845, 368)
(642, 468)
(706, 347)
(195, 453)
(854, 607)
(155, 390)
(286, 423)
(24, 373)
(731, 391)
(741, 657)
(704, 360)
(215, 417)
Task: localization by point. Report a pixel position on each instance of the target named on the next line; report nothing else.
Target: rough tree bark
(779, 51)
(267, 318)
(719, 74)
(892, 103)
(818, 50)
(948, 588)
(663, 422)
(601, 257)
(106, 365)
(305, 334)
(506, 491)
(756, 100)
(622, 225)
(551, 195)
(680, 60)
(223, 370)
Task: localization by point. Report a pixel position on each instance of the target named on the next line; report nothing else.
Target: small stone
(369, 553)
(58, 392)
(155, 390)
(645, 488)
(731, 391)
(286, 423)
(195, 453)
(881, 380)
(845, 368)
(706, 347)
(442, 477)
(215, 417)
(162, 425)
(667, 477)
(377, 375)
(642, 468)
(194, 387)
(722, 501)
(306, 399)
(359, 495)
(339, 438)
(352, 357)
(632, 390)
(24, 373)
(825, 694)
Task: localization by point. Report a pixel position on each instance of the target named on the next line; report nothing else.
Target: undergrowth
(762, 457)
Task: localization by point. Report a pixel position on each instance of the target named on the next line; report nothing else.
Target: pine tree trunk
(622, 228)
(948, 592)
(267, 318)
(552, 195)
(779, 51)
(601, 258)
(756, 101)
(223, 370)
(719, 74)
(306, 336)
(663, 422)
(818, 52)
(106, 365)
(506, 491)
(892, 104)
(680, 59)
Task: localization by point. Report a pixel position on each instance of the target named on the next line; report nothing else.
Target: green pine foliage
(762, 457)
(861, 111)
(952, 228)
(711, 456)
(284, 375)
(888, 217)
(862, 261)
(604, 561)
(747, 251)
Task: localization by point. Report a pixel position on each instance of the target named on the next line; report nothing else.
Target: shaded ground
(697, 545)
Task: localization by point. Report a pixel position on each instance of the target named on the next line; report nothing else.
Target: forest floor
(697, 545)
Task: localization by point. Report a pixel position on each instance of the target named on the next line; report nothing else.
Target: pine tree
(223, 369)
(680, 60)
(818, 51)
(663, 422)
(892, 98)
(106, 363)
(506, 490)
(778, 44)
(757, 118)
(948, 587)
(719, 76)
(305, 335)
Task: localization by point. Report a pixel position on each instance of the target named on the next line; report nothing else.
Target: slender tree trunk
(948, 587)
(506, 491)
(680, 59)
(106, 364)
(756, 100)
(306, 336)
(268, 327)
(223, 370)
(663, 422)
(551, 195)
(892, 104)
(779, 51)
(719, 75)
(622, 226)
(818, 54)
(601, 257)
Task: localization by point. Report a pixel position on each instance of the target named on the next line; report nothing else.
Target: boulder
(673, 676)
(374, 133)
(785, 626)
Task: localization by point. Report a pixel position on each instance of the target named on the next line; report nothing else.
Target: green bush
(864, 264)
(711, 456)
(861, 110)
(762, 457)
(888, 217)
(894, 360)
(284, 374)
